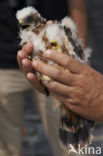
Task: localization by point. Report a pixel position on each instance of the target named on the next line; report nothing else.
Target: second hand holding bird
(86, 85)
(80, 89)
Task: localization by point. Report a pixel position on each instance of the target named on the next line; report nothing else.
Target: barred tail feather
(74, 130)
(83, 137)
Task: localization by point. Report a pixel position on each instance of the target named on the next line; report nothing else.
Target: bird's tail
(74, 130)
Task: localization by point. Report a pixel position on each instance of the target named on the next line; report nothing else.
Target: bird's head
(28, 17)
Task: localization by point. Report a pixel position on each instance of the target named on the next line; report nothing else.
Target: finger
(27, 66)
(59, 88)
(19, 59)
(34, 81)
(54, 72)
(49, 22)
(64, 60)
(27, 49)
(64, 100)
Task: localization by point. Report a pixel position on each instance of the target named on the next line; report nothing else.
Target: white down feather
(29, 36)
(21, 14)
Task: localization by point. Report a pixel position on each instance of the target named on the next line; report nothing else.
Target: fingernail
(47, 53)
(34, 63)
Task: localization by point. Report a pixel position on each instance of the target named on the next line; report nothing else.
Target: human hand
(80, 90)
(26, 66)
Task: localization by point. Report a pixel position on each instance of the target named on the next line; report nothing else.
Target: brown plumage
(63, 37)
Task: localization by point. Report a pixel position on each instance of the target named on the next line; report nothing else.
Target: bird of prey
(61, 36)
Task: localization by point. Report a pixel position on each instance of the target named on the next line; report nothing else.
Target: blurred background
(34, 139)
(20, 118)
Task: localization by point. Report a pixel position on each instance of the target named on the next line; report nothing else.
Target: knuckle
(79, 98)
(58, 73)
(70, 92)
(53, 86)
(73, 81)
(78, 83)
(26, 48)
(21, 55)
(68, 62)
(76, 98)
(86, 71)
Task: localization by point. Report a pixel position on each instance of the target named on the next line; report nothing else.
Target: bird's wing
(73, 129)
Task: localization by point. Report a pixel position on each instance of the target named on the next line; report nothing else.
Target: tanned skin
(78, 12)
(81, 89)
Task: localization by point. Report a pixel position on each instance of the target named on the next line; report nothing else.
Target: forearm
(78, 12)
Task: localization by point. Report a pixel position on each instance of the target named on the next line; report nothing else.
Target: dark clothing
(9, 41)
(53, 9)
(8, 36)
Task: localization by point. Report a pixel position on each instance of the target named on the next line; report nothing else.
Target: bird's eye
(30, 19)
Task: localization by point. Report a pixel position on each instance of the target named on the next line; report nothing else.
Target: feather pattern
(63, 37)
